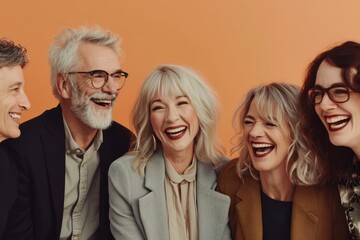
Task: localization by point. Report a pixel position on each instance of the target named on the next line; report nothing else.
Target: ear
(62, 86)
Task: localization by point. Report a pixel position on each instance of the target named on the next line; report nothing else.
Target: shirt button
(75, 237)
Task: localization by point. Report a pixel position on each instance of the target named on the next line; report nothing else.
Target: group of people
(74, 173)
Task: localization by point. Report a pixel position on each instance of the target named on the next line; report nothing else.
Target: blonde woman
(165, 188)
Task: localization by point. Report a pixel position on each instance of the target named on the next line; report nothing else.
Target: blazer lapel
(304, 214)
(152, 206)
(248, 209)
(54, 150)
(213, 207)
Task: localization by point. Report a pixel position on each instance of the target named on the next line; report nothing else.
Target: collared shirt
(180, 192)
(82, 187)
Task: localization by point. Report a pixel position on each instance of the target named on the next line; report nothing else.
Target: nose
(24, 101)
(172, 114)
(111, 86)
(257, 130)
(326, 103)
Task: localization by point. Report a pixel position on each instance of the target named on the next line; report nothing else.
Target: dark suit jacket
(40, 154)
(317, 213)
(8, 187)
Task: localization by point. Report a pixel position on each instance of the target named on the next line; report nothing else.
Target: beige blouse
(180, 192)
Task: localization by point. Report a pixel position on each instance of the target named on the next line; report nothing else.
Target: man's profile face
(13, 101)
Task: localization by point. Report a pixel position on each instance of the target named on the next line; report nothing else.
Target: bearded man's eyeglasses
(100, 77)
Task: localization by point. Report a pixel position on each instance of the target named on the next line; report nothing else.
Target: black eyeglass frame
(329, 91)
(91, 74)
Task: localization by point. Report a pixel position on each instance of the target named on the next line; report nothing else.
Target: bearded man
(64, 154)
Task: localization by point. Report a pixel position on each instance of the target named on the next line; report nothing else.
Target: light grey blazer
(138, 205)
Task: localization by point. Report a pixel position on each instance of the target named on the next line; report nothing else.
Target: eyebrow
(16, 84)
(332, 85)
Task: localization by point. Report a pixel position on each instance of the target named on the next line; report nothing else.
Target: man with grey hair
(13, 101)
(64, 154)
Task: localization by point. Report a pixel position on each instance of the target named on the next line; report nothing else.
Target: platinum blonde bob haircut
(173, 80)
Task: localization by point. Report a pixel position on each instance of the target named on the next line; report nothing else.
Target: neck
(81, 133)
(277, 187)
(180, 161)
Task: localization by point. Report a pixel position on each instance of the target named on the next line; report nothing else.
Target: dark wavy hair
(335, 160)
(12, 54)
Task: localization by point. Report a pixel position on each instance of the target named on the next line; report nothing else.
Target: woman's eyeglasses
(338, 94)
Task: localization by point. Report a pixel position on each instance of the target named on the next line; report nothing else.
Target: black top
(276, 218)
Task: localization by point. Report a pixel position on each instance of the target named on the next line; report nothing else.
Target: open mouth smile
(102, 102)
(335, 123)
(175, 133)
(15, 116)
(262, 149)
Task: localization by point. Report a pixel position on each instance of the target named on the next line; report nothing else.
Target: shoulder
(123, 178)
(116, 128)
(228, 180)
(321, 194)
(123, 163)
(228, 172)
(118, 135)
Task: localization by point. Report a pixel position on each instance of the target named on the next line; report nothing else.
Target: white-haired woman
(165, 188)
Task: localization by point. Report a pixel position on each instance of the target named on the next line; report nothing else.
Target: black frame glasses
(337, 94)
(100, 77)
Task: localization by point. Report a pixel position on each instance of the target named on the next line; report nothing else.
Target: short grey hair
(63, 57)
(12, 54)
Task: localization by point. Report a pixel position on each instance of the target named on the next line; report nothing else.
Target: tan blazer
(316, 213)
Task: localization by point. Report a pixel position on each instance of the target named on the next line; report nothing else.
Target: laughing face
(13, 101)
(175, 123)
(94, 106)
(342, 120)
(267, 141)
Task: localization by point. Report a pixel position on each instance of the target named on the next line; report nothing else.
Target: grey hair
(277, 102)
(12, 54)
(63, 57)
(169, 80)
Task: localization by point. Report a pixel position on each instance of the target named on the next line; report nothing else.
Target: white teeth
(261, 145)
(263, 151)
(175, 130)
(102, 101)
(331, 120)
(15, 115)
(336, 126)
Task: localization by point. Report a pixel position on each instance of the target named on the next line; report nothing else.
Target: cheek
(317, 110)
(155, 122)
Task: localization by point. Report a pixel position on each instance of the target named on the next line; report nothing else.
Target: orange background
(234, 44)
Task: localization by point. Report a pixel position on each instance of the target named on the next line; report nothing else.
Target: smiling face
(13, 101)
(175, 123)
(342, 120)
(267, 141)
(94, 106)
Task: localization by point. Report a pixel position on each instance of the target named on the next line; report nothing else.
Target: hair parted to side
(12, 54)
(333, 159)
(276, 102)
(173, 80)
(63, 57)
